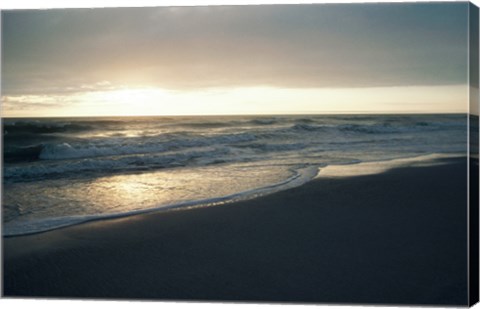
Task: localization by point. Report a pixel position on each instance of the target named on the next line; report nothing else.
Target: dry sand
(399, 236)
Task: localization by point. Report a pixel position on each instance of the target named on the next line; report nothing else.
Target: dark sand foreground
(395, 237)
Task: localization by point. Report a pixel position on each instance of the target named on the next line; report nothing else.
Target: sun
(127, 101)
(133, 95)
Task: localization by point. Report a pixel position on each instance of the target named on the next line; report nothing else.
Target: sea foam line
(376, 167)
(300, 177)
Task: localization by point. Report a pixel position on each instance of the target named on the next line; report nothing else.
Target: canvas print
(308, 153)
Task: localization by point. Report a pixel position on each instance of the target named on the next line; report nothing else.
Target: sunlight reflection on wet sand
(370, 168)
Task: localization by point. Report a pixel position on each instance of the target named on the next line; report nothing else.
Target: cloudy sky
(263, 59)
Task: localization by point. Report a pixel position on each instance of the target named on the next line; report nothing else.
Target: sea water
(63, 171)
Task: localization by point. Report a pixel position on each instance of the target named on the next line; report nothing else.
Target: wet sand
(398, 236)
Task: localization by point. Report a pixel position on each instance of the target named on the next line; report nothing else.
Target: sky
(262, 59)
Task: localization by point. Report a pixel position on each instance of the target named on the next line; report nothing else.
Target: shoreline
(334, 170)
(397, 237)
(294, 181)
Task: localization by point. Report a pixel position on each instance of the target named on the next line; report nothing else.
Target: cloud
(294, 46)
(12, 105)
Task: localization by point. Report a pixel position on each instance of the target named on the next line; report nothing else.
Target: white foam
(300, 177)
(133, 162)
(126, 146)
(376, 167)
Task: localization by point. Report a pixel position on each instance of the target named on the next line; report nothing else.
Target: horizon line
(242, 115)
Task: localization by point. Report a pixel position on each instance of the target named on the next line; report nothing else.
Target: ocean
(63, 171)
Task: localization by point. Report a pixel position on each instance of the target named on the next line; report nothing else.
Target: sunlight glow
(137, 101)
(125, 96)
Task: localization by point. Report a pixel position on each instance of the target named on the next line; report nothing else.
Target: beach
(396, 235)
(303, 153)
